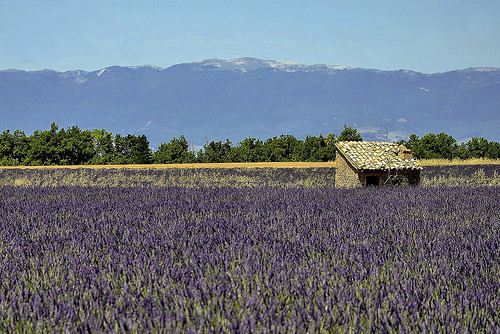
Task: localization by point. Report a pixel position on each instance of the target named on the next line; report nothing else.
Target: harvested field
(159, 177)
(284, 175)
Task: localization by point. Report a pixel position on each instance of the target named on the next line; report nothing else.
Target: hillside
(218, 99)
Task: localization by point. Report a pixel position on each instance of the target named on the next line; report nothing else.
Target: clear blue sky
(425, 35)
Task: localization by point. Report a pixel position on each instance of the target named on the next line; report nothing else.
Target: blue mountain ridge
(248, 97)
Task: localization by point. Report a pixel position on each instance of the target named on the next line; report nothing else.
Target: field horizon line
(328, 164)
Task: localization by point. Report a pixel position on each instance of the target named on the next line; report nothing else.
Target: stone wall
(345, 176)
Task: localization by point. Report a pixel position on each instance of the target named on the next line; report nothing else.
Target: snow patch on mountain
(101, 72)
(80, 80)
(340, 67)
(78, 75)
(246, 64)
(158, 68)
(485, 69)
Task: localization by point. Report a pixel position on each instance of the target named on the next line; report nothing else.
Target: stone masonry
(345, 176)
(374, 163)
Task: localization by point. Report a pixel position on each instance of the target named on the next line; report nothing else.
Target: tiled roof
(376, 156)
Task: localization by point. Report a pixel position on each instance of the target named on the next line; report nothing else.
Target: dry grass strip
(458, 162)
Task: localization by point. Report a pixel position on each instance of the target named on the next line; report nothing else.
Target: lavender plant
(461, 175)
(237, 260)
(490, 170)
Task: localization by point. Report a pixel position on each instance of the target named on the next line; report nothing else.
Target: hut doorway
(372, 180)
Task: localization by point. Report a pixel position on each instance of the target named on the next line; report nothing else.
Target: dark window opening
(372, 180)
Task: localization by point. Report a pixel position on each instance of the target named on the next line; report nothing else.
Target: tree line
(74, 146)
(444, 146)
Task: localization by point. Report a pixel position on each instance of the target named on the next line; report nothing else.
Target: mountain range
(248, 97)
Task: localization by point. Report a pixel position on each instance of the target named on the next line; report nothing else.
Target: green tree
(413, 142)
(282, 148)
(132, 149)
(21, 147)
(441, 146)
(141, 152)
(432, 146)
(330, 148)
(7, 147)
(217, 152)
(477, 147)
(493, 150)
(76, 146)
(43, 147)
(103, 146)
(315, 149)
(176, 151)
(122, 150)
(250, 150)
(349, 134)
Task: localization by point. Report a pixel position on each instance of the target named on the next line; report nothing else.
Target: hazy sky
(425, 35)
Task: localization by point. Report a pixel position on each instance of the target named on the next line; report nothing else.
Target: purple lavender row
(237, 260)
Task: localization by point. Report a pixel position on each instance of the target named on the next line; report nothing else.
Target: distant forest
(74, 146)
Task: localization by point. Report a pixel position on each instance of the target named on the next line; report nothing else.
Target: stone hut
(375, 164)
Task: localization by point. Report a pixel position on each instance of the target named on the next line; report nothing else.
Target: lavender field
(259, 259)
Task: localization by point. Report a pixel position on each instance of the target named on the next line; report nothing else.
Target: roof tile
(377, 155)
